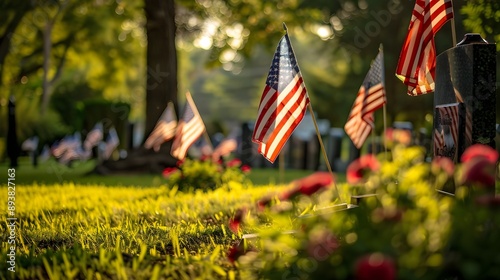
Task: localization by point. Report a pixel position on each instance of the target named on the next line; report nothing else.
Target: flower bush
(405, 230)
(205, 174)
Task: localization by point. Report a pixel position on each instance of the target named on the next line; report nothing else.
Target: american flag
(283, 103)
(447, 123)
(112, 142)
(30, 144)
(68, 143)
(164, 129)
(93, 137)
(190, 128)
(417, 61)
(371, 96)
(227, 146)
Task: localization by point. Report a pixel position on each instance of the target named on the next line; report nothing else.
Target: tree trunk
(161, 87)
(47, 49)
(161, 81)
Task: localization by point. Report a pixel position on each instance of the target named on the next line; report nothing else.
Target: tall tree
(161, 59)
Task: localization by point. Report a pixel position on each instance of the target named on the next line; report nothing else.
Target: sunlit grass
(84, 230)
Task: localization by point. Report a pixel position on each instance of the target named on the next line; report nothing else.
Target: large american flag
(417, 61)
(283, 103)
(371, 96)
(112, 142)
(164, 129)
(190, 128)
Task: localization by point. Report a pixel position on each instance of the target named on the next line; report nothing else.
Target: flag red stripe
(287, 127)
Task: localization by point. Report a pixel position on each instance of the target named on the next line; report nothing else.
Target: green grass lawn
(51, 172)
(74, 225)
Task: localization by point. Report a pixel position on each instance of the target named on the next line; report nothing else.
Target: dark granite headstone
(464, 98)
(247, 155)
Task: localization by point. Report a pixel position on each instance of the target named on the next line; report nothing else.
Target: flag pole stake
(384, 107)
(282, 168)
(385, 132)
(323, 150)
(453, 32)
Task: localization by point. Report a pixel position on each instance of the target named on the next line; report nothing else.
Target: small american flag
(448, 122)
(283, 103)
(164, 129)
(227, 146)
(417, 61)
(112, 142)
(93, 137)
(371, 96)
(190, 128)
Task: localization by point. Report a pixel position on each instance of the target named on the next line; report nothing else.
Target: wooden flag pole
(383, 106)
(453, 32)
(205, 133)
(327, 162)
(385, 132)
(282, 168)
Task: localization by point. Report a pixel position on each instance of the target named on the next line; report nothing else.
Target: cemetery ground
(139, 227)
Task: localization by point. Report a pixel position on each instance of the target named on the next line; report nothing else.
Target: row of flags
(285, 100)
(71, 148)
(186, 132)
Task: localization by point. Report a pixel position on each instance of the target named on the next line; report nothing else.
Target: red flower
(314, 182)
(205, 157)
(388, 215)
(488, 200)
(246, 168)
(375, 266)
(169, 171)
(358, 168)
(479, 171)
(445, 164)
(264, 202)
(235, 252)
(322, 245)
(480, 150)
(234, 163)
(236, 220)
(180, 162)
(389, 134)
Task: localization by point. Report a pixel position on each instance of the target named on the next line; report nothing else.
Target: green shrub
(206, 175)
(405, 230)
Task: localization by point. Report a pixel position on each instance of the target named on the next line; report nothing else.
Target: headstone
(247, 154)
(464, 98)
(130, 136)
(335, 149)
(354, 152)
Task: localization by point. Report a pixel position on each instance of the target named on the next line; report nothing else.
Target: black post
(12, 145)
(246, 144)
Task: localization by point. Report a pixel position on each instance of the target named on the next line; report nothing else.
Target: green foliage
(30, 122)
(109, 113)
(72, 91)
(206, 175)
(482, 16)
(418, 232)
